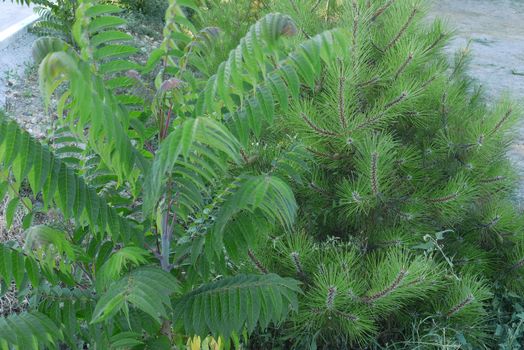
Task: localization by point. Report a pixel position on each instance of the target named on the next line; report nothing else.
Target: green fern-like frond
(262, 198)
(247, 61)
(54, 20)
(116, 264)
(103, 54)
(147, 288)
(94, 107)
(51, 242)
(284, 81)
(214, 140)
(231, 304)
(46, 45)
(101, 41)
(16, 266)
(28, 330)
(269, 194)
(31, 160)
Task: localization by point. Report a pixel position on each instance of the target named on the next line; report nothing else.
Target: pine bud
(296, 261)
(330, 300)
(457, 308)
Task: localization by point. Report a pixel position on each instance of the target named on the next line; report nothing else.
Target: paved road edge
(9, 35)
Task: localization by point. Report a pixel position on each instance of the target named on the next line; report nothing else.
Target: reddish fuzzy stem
(374, 176)
(517, 265)
(445, 199)
(404, 65)
(330, 299)
(460, 306)
(341, 102)
(396, 283)
(499, 124)
(382, 9)
(493, 179)
(316, 128)
(402, 30)
(256, 262)
(396, 101)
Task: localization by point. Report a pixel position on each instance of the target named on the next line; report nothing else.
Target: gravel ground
(14, 61)
(495, 32)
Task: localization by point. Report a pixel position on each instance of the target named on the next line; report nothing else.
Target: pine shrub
(406, 211)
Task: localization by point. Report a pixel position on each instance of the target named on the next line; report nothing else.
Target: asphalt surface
(11, 14)
(16, 54)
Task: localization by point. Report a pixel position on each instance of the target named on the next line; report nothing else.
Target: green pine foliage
(409, 175)
(308, 174)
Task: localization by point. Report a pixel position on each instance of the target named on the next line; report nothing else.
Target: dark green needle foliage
(405, 210)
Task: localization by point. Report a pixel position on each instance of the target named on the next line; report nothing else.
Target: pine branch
(356, 197)
(331, 295)
(462, 59)
(445, 199)
(341, 101)
(428, 82)
(517, 265)
(454, 310)
(298, 266)
(256, 262)
(480, 140)
(355, 23)
(492, 180)
(381, 10)
(379, 116)
(404, 65)
(369, 82)
(297, 11)
(315, 5)
(396, 101)
(319, 189)
(435, 43)
(402, 30)
(390, 289)
(335, 156)
(316, 128)
(371, 121)
(493, 222)
(374, 171)
(443, 109)
(346, 316)
(502, 121)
